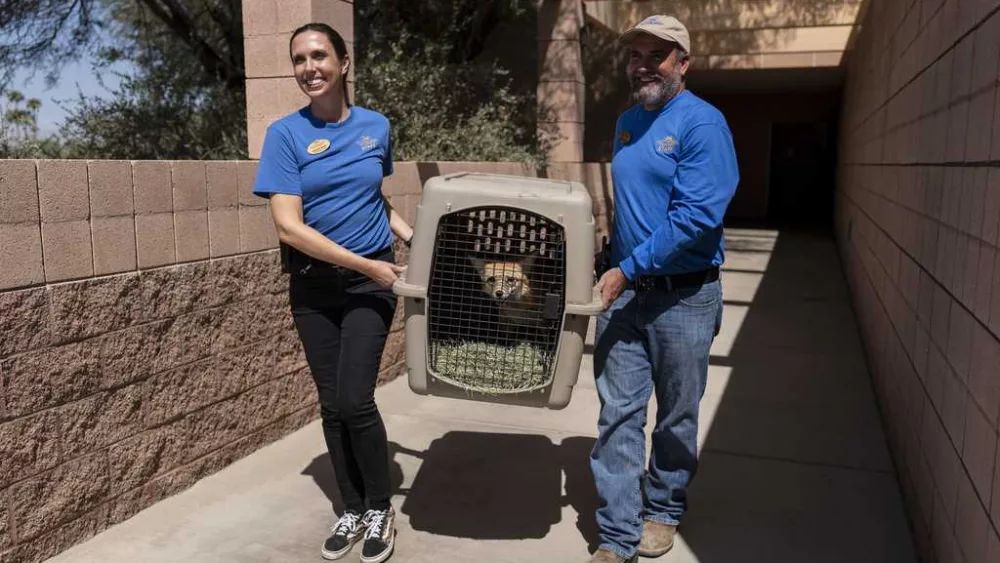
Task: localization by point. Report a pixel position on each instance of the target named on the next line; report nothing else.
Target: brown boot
(657, 538)
(605, 556)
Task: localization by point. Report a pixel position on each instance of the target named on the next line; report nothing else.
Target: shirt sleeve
(704, 183)
(278, 170)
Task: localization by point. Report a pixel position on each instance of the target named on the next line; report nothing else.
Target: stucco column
(267, 27)
(561, 81)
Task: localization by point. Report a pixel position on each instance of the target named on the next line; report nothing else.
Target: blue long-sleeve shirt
(674, 172)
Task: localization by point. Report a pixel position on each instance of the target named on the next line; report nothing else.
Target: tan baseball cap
(665, 27)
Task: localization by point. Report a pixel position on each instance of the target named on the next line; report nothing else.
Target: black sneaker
(346, 533)
(380, 536)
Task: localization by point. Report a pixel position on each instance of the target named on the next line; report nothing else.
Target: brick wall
(917, 225)
(145, 340)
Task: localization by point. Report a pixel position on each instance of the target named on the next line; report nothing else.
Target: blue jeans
(650, 341)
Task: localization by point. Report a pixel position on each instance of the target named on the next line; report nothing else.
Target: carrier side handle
(595, 307)
(403, 289)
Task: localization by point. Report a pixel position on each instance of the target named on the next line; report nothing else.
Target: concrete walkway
(794, 466)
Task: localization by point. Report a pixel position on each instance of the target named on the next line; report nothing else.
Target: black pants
(343, 319)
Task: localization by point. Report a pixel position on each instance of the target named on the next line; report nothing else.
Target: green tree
(19, 128)
(425, 64)
(49, 33)
(182, 95)
(427, 67)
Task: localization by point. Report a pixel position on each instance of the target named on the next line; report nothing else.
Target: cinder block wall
(917, 224)
(145, 338)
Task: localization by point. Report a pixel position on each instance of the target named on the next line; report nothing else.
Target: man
(674, 172)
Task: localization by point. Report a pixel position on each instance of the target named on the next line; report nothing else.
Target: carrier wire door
(497, 294)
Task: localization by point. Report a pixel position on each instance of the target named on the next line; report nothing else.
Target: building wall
(918, 206)
(145, 340)
(750, 117)
(747, 34)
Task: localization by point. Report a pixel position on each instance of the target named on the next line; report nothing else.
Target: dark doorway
(803, 165)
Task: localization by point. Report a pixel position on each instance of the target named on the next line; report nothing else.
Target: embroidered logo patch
(368, 143)
(666, 144)
(318, 146)
(652, 20)
(625, 137)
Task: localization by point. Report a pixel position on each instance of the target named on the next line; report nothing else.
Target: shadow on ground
(489, 486)
(794, 466)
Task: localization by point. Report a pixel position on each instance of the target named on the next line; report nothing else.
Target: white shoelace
(375, 520)
(347, 524)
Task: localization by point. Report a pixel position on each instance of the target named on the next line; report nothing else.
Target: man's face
(655, 70)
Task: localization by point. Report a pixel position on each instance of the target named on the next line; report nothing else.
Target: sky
(31, 83)
(74, 75)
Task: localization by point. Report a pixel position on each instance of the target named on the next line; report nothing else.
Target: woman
(322, 168)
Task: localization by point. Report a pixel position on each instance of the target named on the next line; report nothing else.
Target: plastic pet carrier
(498, 293)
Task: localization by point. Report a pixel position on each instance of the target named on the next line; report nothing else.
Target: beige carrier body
(498, 293)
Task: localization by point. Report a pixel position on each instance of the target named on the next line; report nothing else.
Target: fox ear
(479, 264)
(529, 261)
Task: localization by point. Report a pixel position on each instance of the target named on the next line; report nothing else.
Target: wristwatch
(408, 241)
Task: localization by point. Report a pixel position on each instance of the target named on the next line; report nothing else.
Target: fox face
(504, 280)
(508, 284)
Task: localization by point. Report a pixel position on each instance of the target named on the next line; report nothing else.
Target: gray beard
(656, 93)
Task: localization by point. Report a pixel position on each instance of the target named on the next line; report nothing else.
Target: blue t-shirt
(674, 173)
(337, 169)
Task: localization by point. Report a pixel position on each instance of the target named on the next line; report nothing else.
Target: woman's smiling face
(317, 68)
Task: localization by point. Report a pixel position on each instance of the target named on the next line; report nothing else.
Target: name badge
(318, 146)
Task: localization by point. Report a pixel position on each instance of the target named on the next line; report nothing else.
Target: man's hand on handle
(611, 285)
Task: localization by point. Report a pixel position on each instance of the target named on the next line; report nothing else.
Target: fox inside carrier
(499, 288)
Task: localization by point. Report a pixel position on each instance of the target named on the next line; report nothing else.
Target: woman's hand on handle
(384, 273)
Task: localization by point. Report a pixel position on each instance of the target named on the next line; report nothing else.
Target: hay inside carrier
(496, 299)
(492, 368)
